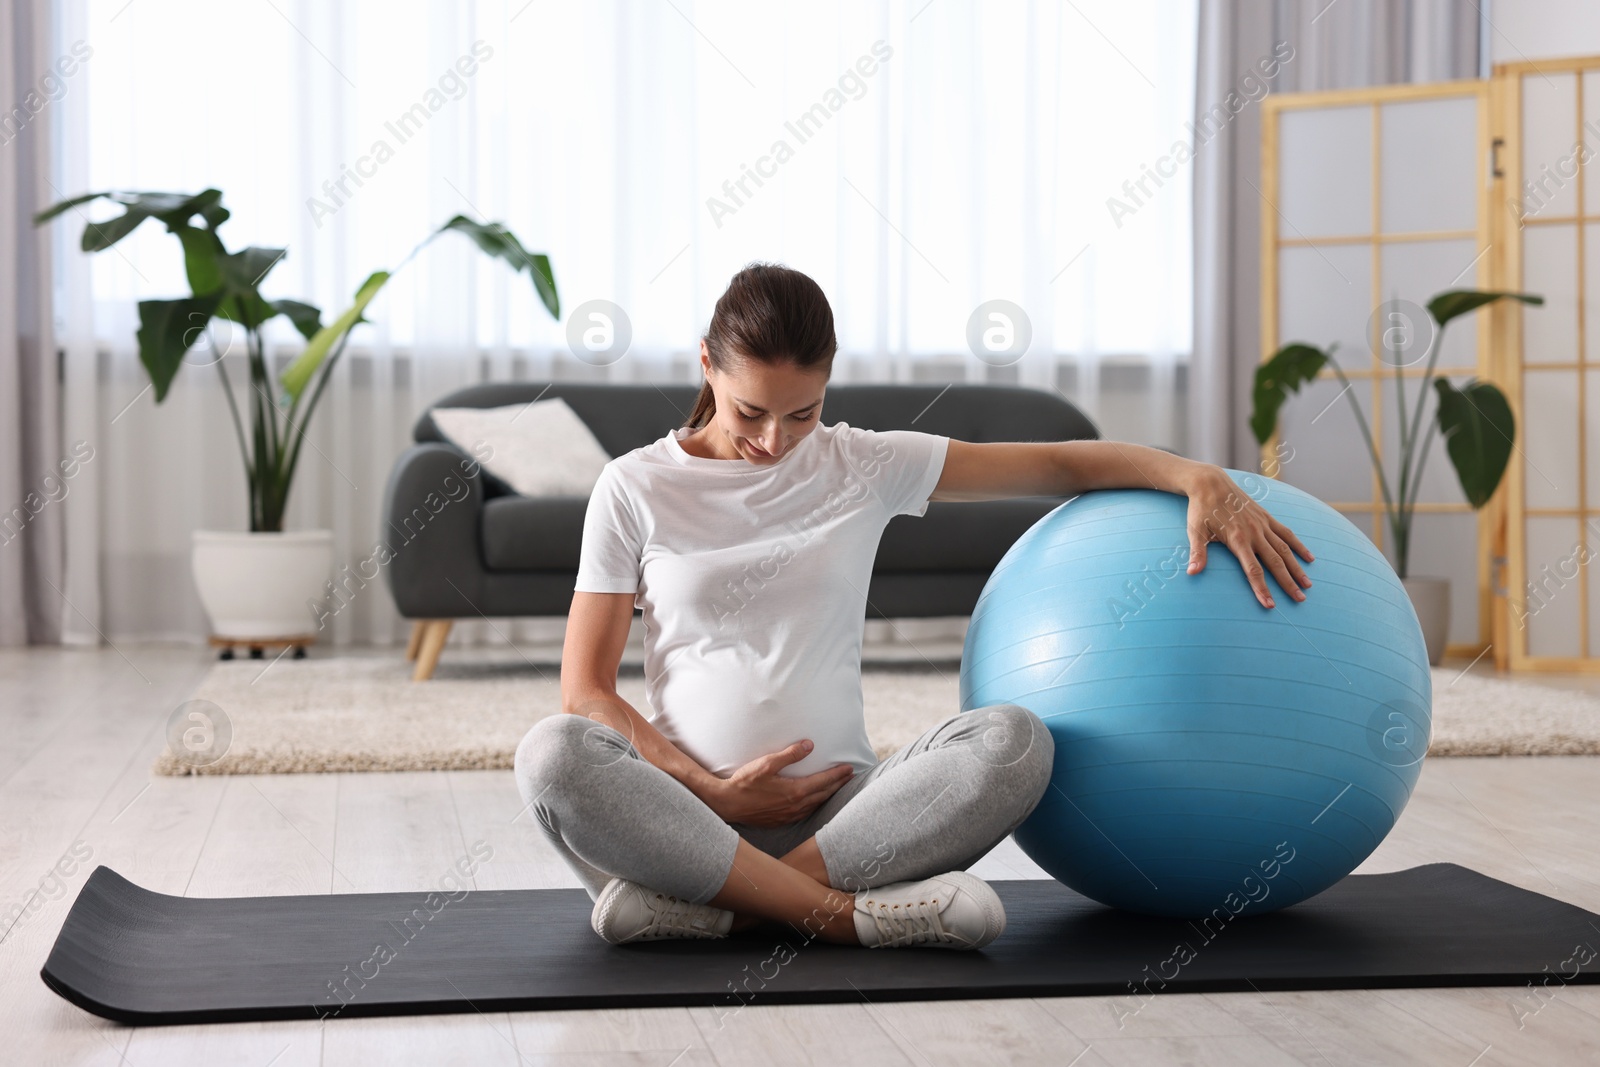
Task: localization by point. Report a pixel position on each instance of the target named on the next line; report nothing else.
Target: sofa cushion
(523, 533)
(959, 536)
(540, 449)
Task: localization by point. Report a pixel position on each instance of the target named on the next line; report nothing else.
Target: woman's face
(764, 410)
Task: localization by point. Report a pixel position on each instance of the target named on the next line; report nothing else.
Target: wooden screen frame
(1507, 103)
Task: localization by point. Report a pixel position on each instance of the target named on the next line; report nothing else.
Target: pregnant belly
(723, 724)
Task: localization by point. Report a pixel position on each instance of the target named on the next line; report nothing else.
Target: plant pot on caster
(258, 587)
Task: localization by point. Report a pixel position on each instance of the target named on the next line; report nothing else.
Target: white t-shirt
(752, 580)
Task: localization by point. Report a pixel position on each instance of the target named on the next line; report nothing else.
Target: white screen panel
(1591, 446)
(1591, 281)
(1416, 271)
(1325, 171)
(1428, 167)
(1550, 270)
(1324, 296)
(1549, 132)
(1445, 545)
(1549, 436)
(1592, 530)
(1328, 458)
(1591, 122)
(1548, 607)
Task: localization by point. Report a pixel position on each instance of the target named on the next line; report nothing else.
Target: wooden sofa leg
(433, 639)
(418, 628)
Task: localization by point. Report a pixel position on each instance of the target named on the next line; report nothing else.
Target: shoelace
(908, 924)
(675, 916)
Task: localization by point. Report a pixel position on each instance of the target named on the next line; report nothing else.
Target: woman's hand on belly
(757, 795)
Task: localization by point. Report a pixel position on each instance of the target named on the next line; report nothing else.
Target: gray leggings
(937, 805)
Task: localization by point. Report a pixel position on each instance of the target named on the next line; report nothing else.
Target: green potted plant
(255, 585)
(1476, 421)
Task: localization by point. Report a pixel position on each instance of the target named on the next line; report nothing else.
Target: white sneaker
(627, 911)
(955, 910)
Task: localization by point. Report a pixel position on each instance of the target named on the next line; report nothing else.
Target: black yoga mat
(141, 957)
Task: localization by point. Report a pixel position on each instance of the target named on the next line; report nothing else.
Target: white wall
(1541, 29)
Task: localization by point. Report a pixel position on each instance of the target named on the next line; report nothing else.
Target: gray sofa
(465, 546)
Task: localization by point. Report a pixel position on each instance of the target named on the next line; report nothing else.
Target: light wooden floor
(80, 729)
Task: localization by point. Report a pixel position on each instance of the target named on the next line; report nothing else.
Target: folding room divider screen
(1548, 202)
(1374, 200)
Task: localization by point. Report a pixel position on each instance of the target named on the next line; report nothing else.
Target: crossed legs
(938, 804)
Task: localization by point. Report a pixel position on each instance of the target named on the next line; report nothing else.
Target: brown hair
(769, 314)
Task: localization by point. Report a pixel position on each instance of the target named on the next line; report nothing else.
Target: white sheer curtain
(918, 159)
(32, 464)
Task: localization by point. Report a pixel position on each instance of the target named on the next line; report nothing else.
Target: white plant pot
(262, 585)
(1431, 598)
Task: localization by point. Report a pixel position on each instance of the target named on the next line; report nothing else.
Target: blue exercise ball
(1213, 757)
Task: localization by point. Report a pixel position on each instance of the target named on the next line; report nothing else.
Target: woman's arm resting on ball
(1218, 510)
(597, 630)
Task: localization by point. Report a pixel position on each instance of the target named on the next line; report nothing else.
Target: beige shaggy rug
(364, 714)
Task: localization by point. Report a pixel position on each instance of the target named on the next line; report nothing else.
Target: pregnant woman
(747, 538)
